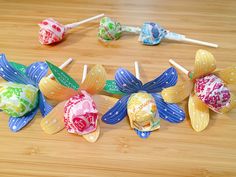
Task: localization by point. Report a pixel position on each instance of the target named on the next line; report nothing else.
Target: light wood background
(174, 150)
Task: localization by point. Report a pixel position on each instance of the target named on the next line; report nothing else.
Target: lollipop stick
(67, 62)
(131, 29)
(181, 68)
(84, 73)
(73, 25)
(199, 42)
(137, 73)
(180, 37)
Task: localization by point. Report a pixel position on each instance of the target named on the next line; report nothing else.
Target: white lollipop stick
(180, 37)
(67, 62)
(84, 73)
(137, 72)
(181, 68)
(76, 24)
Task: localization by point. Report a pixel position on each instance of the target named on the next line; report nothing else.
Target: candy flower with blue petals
(20, 96)
(142, 102)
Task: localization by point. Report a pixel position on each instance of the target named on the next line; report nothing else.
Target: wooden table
(174, 150)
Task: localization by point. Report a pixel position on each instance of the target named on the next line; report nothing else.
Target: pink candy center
(211, 90)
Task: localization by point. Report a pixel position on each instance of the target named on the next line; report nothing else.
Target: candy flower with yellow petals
(206, 89)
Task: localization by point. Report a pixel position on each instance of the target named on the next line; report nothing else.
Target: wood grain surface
(174, 150)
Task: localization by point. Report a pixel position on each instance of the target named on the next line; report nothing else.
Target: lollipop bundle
(149, 34)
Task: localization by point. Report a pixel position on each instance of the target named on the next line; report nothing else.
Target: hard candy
(142, 112)
(18, 99)
(211, 90)
(80, 115)
(109, 30)
(50, 31)
(151, 33)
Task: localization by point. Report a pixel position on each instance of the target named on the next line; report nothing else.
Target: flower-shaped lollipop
(149, 34)
(52, 31)
(20, 96)
(206, 89)
(78, 112)
(141, 102)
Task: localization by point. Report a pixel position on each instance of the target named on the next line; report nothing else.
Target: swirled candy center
(211, 90)
(81, 114)
(142, 112)
(18, 99)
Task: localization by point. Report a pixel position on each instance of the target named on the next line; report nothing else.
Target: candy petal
(168, 111)
(54, 121)
(179, 92)
(167, 79)
(44, 107)
(198, 113)
(205, 63)
(95, 80)
(228, 75)
(117, 112)
(17, 123)
(11, 74)
(55, 91)
(104, 103)
(93, 136)
(36, 71)
(143, 134)
(127, 82)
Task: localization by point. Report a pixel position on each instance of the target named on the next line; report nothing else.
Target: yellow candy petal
(104, 103)
(95, 80)
(204, 63)
(198, 113)
(232, 104)
(93, 136)
(55, 91)
(228, 75)
(179, 92)
(54, 121)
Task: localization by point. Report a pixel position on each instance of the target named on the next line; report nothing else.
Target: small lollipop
(149, 34)
(142, 103)
(52, 31)
(206, 89)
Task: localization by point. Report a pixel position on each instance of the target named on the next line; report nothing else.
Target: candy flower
(206, 89)
(20, 96)
(142, 102)
(77, 110)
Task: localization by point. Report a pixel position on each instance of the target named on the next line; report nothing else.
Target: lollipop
(207, 89)
(142, 103)
(78, 109)
(52, 31)
(20, 97)
(149, 34)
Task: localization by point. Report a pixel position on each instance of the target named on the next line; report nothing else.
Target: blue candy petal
(17, 123)
(117, 112)
(142, 134)
(36, 71)
(11, 74)
(167, 79)
(127, 82)
(167, 111)
(44, 106)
